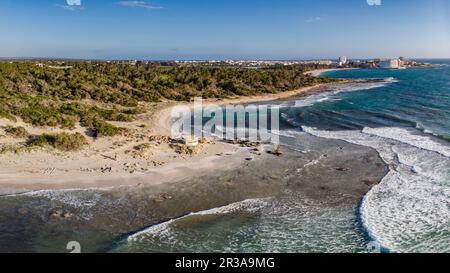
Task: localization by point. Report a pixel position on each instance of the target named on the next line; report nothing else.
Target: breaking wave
(409, 211)
(250, 205)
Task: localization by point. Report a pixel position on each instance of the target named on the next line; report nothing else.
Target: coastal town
(341, 62)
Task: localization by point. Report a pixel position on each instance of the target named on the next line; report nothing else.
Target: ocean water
(408, 123)
(406, 118)
(291, 224)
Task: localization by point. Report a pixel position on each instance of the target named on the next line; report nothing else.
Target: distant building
(325, 62)
(343, 60)
(390, 64)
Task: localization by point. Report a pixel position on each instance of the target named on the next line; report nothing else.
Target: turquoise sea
(406, 118)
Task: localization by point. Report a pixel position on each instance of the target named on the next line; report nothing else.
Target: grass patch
(19, 132)
(101, 128)
(13, 148)
(104, 129)
(63, 142)
(7, 115)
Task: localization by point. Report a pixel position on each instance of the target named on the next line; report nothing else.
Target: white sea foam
(334, 90)
(409, 137)
(250, 205)
(83, 200)
(293, 223)
(410, 209)
(77, 198)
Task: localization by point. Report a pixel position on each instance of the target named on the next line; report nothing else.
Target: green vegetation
(94, 93)
(99, 127)
(13, 148)
(19, 132)
(63, 142)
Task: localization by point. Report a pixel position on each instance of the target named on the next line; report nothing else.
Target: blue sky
(224, 29)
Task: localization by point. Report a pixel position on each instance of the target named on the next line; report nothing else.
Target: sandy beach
(318, 72)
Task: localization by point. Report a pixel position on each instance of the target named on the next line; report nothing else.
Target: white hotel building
(391, 64)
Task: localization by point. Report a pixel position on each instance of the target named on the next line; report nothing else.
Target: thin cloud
(73, 2)
(139, 4)
(314, 19)
(71, 5)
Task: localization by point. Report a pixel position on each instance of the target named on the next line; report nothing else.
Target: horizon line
(211, 59)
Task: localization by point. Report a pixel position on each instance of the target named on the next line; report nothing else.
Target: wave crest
(409, 211)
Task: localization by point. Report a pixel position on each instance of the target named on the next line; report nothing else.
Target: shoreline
(319, 72)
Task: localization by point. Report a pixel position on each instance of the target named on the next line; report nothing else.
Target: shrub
(19, 132)
(99, 127)
(103, 128)
(62, 142)
(12, 148)
(7, 115)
